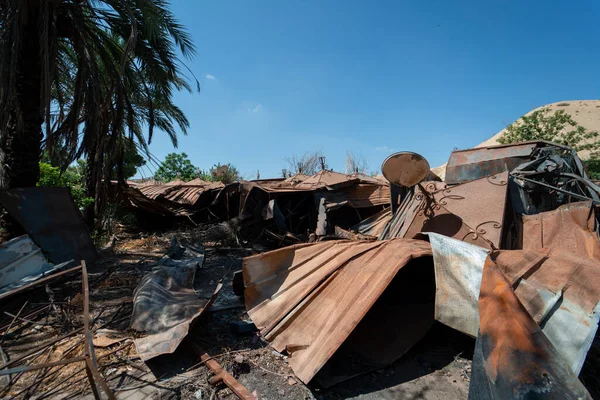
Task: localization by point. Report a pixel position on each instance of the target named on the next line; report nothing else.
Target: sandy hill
(585, 112)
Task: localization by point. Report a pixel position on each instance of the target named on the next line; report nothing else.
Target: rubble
(21, 263)
(221, 375)
(165, 305)
(88, 357)
(340, 275)
(282, 206)
(288, 291)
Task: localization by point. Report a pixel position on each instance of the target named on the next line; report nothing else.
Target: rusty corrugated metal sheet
(326, 178)
(189, 194)
(569, 228)
(359, 195)
(295, 179)
(155, 190)
(199, 182)
(559, 289)
(513, 358)
(561, 292)
(374, 225)
(310, 299)
(173, 198)
(136, 199)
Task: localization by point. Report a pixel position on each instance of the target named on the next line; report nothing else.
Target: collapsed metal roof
(523, 220)
(308, 299)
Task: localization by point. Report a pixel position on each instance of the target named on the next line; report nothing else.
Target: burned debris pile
(328, 277)
(275, 211)
(531, 229)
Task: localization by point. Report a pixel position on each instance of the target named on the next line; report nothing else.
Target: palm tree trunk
(21, 144)
(93, 181)
(90, 186)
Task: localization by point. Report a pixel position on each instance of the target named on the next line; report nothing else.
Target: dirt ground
(437, 367)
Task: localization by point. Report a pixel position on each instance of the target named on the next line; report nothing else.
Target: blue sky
(285, 77)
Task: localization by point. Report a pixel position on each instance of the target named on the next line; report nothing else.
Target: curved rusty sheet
(308, 299)
(513, 358)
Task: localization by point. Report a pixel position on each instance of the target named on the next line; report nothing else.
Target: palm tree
(105, 150)
(91, 72)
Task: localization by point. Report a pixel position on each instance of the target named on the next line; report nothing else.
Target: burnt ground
(437, 367)
(439, 364)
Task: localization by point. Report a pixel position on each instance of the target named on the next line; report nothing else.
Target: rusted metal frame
(39, 377)
(592, 187)
(39, 282)
(65, 380)
(6, 389)
(221, 375)
(575, 195)
(227, 205)
(29, 316)
(13, 321)
(41, 347)
(23, 369)
(27, 368)
(89, 353)
(30, 321)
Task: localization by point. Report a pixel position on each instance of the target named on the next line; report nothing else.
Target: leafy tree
(176, 165)
(53, 177)
(592, 165)
(225, 173)
(132, 160)
(78, 167)
(559, 127)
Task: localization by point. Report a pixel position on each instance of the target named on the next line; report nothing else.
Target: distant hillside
(585, 112)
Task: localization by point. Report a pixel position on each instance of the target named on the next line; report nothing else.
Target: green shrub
(52, 177)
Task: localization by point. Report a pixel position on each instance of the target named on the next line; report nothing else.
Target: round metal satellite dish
(405, 168)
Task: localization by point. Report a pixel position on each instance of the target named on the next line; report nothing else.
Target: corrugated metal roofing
(308, 299)
(374, 225)
(173, 198)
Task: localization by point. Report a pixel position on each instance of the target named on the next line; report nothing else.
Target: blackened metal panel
(52, 220)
